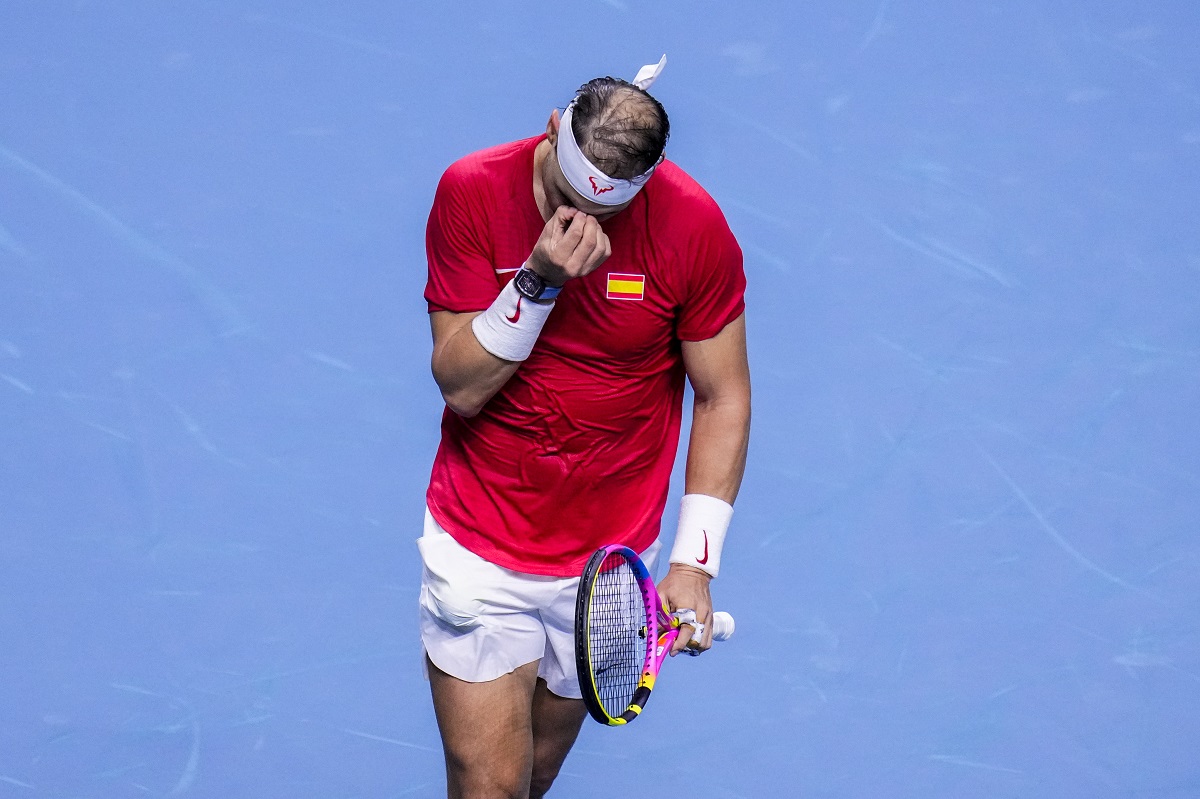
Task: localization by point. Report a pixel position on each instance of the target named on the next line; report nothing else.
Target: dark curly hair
(619, 127)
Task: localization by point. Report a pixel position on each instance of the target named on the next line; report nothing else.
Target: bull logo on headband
(597, 189)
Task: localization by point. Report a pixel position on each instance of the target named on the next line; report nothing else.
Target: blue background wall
(965, 557)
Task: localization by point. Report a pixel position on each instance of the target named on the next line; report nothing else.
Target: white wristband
(510, 326)
(703, 522)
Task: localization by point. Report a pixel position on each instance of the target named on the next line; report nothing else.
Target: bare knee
(490, 783)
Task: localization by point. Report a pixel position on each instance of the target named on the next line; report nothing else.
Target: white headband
(584, 176)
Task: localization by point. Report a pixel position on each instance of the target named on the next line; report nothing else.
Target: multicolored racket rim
(584, 649)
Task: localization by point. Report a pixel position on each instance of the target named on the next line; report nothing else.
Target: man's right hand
(572, 245)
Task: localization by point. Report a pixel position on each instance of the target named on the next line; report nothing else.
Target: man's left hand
(687, 587)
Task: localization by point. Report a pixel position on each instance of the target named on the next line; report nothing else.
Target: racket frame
(660, 635)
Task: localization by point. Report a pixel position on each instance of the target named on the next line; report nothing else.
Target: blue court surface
(966, 557)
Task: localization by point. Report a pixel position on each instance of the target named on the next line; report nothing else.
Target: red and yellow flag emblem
(626, 287)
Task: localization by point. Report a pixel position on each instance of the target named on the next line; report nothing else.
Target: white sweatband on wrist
(510, 327)
(703, 522)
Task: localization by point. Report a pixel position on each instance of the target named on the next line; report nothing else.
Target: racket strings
(617, 633)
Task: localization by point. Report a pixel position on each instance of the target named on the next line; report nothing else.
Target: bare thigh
(502, 735)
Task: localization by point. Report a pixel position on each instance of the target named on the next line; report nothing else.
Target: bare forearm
(720, 435)
(467, 374)
(716, 461)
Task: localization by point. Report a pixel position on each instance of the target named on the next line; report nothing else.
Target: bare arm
(719, 372)
(571, 245)
(467, 374)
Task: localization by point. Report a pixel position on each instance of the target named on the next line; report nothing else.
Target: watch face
(529, 283)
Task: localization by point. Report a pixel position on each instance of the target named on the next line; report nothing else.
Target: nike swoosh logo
(704, 559)
(517, 316)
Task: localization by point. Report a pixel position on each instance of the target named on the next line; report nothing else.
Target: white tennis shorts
(480, 621)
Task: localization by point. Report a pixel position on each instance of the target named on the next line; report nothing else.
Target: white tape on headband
(649, 73)
(584, 176)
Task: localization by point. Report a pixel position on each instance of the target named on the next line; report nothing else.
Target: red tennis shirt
(576, 450)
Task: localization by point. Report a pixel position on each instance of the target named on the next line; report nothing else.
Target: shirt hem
(498, 557)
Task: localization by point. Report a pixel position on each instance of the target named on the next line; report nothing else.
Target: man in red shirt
(569, 294)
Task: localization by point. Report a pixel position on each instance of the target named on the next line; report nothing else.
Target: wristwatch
(533, 285)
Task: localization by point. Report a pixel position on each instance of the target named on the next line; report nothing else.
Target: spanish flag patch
(626, 287)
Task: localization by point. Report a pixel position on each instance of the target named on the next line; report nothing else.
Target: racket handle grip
(722, 626)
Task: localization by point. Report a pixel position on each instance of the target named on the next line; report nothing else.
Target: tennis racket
(623, 633)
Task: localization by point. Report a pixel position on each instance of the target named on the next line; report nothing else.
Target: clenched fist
(571, 245)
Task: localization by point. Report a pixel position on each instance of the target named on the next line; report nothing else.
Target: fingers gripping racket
(623, 634)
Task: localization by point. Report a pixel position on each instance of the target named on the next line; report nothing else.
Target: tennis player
(575, 279)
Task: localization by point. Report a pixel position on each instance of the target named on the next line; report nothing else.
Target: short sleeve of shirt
(716, 286)
(461, 275)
